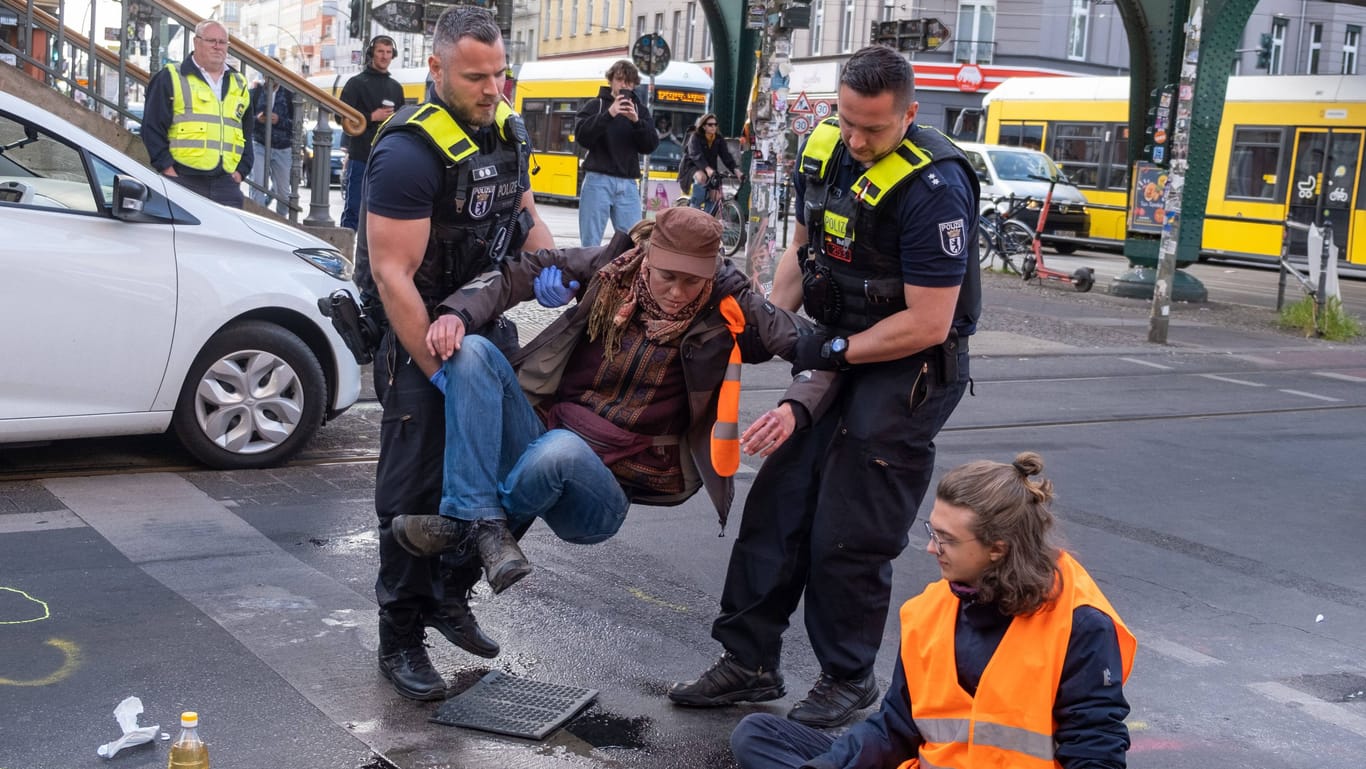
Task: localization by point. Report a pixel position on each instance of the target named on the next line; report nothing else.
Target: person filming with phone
(614, 130)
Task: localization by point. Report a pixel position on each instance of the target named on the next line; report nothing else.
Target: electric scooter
(1082, 279)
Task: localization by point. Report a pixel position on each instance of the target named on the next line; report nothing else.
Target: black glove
(806, 353)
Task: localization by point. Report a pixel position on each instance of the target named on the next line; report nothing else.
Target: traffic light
(353, 24)
(1264, 52)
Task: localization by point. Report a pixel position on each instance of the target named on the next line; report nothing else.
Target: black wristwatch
(834, 350)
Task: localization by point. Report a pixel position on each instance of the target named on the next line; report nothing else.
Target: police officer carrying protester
(374, 93)
(883, 258)
(447, 196)
(192, 123)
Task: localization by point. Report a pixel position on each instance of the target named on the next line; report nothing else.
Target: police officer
(447, 193)
(886, 209)
(192, 126)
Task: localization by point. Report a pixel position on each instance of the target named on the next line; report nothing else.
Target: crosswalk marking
(1312, 395)
(1231, 380)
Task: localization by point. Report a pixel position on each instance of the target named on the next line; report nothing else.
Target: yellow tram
(549, 92)
(1289, 148)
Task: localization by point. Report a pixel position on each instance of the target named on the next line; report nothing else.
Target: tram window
(1253, 163)
(1117, 167)
(1021, 135)
(1080, 148)
(534, 114)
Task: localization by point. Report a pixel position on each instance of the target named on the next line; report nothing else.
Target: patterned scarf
(625, 292)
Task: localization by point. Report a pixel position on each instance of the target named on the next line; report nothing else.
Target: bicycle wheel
(986, 239)
(1017, 241)
(732, 227)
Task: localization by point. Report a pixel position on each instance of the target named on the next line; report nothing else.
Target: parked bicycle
(721, 203)
(1001, 237)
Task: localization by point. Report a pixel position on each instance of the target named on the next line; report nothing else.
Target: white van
(1007, 172)
(131, 304)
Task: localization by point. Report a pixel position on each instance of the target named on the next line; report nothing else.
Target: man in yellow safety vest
(192, 125)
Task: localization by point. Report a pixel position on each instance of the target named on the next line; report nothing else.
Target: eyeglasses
(940, 544)
(213, 40)
(709, 125)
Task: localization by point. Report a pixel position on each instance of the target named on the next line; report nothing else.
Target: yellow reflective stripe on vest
(206, 140)
(820, 147)
(447, 133)
(889, 171)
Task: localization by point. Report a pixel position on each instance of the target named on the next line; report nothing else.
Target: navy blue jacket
(156, 121)
(282, 133)
(1090, 714)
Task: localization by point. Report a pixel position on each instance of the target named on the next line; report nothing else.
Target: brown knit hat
(685, 240)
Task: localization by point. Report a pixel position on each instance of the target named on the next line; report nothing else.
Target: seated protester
(622, 392)
(1015, 658)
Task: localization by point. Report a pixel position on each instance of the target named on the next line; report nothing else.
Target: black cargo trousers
(830, 510)
(408, 475)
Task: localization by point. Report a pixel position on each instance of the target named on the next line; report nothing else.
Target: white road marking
(1177, 652)
(1342, 377)
(1312, 395)
(57, 519)
(1147, 363)
(1231, 380)
(1324, 711)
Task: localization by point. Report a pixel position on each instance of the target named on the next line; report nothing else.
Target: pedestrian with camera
(883, 256)
(447, 197)
(375, 94)
(613, 130)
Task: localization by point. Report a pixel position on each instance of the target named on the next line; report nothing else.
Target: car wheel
(253, 398)
(1064, 248)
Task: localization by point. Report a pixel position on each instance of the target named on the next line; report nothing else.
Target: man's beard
(470, 116)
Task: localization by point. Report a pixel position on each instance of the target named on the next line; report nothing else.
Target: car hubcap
(249, 402)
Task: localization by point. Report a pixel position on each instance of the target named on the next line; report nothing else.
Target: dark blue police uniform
(833, 506)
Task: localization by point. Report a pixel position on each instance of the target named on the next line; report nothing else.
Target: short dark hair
(461, 21)
(878, 68)
(625, 70)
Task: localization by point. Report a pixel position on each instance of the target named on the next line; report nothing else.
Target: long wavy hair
(1012, 509)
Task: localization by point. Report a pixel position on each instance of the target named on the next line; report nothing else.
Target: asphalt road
(1212, 486)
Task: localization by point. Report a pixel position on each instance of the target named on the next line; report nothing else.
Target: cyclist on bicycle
(705, 150)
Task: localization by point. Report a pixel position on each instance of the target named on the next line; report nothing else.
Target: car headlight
(329, 260)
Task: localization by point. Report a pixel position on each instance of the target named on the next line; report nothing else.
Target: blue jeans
(766, 741)
(601, 196)
(501, 462)
(353, 190)
(698, 198)
(278, 165)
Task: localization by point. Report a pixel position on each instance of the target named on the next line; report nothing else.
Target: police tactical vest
(206, 132)
(841, 222)
(474, 211)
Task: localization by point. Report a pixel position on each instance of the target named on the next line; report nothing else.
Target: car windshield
(1014, 165)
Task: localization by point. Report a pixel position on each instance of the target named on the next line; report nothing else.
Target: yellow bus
(549, 92)
(1289, 147)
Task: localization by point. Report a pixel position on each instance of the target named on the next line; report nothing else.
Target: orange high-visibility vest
(725, 434)
(1009, 723)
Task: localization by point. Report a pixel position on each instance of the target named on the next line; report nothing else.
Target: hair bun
(1028, 463)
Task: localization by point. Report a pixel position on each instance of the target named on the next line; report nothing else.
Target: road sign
(801, 124)
(802, 105)
(822, 108)
(399, 16)
(651, 54)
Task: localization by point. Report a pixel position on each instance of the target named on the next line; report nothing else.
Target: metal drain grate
(518, 707)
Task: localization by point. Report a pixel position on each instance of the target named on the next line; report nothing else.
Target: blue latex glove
(439, 380)
(550, 289)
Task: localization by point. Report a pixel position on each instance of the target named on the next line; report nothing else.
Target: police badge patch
(481, 201)
(952, 238)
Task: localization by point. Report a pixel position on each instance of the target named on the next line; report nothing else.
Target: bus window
(1028, 135)
(1116, 175)
(1079, 147)
(1254, 162)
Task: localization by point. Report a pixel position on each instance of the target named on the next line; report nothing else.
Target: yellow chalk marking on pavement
(41, 603)
(641, 594)
(72, 654)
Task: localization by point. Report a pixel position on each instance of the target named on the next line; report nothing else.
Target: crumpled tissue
(127, 714)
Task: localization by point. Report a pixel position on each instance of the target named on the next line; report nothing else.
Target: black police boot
(726, 683)
(503, 561)
(834, 701)
(454, 619)
(403, 658)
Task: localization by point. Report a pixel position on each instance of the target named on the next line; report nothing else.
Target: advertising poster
(1146, 211)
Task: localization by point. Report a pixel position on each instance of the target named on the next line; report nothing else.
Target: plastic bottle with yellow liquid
(188, 751)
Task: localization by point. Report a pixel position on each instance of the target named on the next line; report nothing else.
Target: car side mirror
(983, 176)
(130, 195)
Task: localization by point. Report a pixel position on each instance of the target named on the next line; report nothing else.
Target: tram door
(1323, 184)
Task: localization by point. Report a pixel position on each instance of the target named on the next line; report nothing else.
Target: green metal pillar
(1156, 32)
(734, 50)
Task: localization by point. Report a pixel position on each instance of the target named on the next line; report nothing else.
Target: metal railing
(106, 82)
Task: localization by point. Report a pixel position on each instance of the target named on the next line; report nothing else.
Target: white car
(129, 305)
